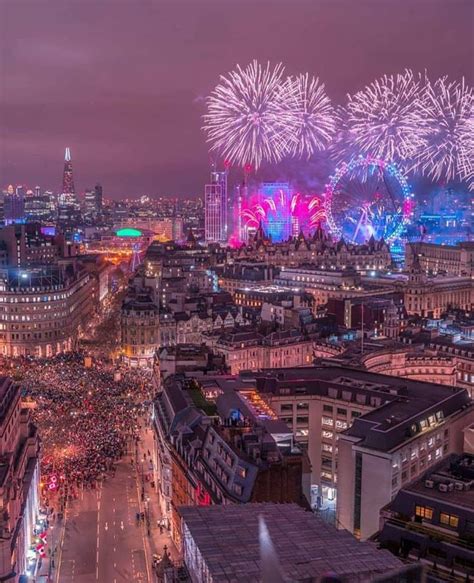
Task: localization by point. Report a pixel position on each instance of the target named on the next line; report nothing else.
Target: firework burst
(383, 120)
(317, 212)
(313, 117)
(449, 114)
(245, 121)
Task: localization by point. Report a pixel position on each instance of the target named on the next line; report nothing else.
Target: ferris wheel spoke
(365, 198)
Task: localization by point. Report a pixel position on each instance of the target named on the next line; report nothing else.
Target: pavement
(100, 538)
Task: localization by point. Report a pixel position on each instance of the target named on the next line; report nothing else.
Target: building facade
(431, 297)
(249, 350)
(216, 445)
(432, 519)
(43, 309)
(19, 485)
(394, 444)
(323, 404)
(452, 260)
(215, 208)
(140, 329)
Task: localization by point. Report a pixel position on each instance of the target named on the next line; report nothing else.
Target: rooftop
(401, 407)
(307, 548)
(457, 470)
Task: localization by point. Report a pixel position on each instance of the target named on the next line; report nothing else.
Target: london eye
(368, 197)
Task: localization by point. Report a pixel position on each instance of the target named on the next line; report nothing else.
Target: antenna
(67, 155)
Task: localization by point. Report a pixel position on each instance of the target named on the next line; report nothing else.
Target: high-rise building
(280, 223)
(93, 203)
(14, 205)
(38, 207)
(98, 197)
(241, 194)
(216, 208)
(68, 206)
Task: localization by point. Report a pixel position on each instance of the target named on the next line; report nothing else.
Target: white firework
(383, 120)
(245, 121)
(314, 120)
(449, 117)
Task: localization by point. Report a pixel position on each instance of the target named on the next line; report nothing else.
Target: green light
(128, 233)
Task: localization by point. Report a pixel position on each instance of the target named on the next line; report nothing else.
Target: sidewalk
(157, 538)
(47, 569)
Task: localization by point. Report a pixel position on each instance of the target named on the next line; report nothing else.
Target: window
(327, 408)
(356, 414)
(302, 432)
(341, 411)
(286, 407)
(327, 434)
(327, 447)
(302, 419)
(238, 489)
(424, 512)
(302, 406)
(327, 421)
(450, 520)
(242, 472)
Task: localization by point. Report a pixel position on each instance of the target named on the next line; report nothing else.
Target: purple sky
(122, 82)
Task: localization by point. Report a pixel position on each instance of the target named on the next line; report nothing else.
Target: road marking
(61, 545)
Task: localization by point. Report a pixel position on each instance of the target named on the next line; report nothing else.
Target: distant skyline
(123, 84)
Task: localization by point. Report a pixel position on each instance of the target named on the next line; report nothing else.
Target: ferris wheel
(368, 197)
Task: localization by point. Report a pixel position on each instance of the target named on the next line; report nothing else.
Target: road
(101, 538)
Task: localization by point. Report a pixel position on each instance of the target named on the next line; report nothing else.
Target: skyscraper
(14, 205)
(215, 200)
(68, 206)
(98, 198)
(68, 180)
(38, 207)
(93, 203)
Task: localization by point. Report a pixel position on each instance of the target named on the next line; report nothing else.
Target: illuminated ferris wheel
(368, 197)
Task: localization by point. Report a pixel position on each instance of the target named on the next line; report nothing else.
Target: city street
(102, 540)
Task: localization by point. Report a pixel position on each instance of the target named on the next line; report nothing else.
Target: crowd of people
(87, 415)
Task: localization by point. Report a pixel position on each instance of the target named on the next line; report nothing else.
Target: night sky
(123, 82)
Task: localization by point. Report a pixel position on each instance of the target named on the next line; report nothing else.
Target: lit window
(450, 520)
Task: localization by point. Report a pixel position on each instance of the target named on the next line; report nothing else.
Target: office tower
(93, 202)
(89, 203)
(241, 195)
(98, 198)
(278, 224)
(38, 207)
(68, 206)
(14, 205)
(215, 201)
